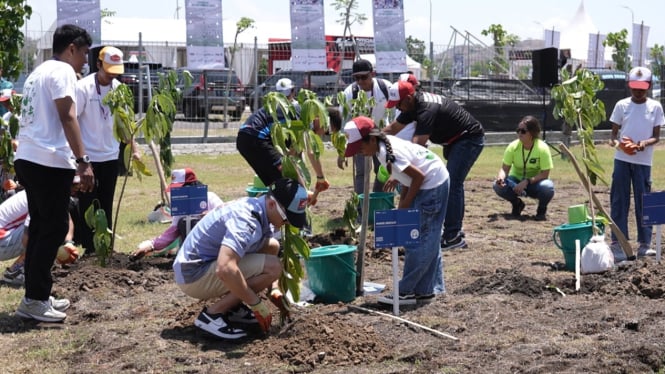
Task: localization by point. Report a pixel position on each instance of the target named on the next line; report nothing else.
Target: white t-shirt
(379, 110)
(407, 153)
(95, 119)
(41, 136)
(13, 213)
(407, 132)
(637, 121)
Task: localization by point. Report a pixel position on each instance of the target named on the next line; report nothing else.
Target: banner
(639, 44)
(82, 13)
(205, 45)
(552, 38)
(596, 57)
(308, 44)
(389, 39)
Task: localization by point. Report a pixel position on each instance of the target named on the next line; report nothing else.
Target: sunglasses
(361, 77)
(521, 131)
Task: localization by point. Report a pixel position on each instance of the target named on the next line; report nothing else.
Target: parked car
(131, 77)
(323, 83)
(196, 97)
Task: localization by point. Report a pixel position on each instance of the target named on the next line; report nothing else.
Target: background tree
(348, 16)
(617, 40)
(415, 48)
(13, 14)
(243, 24)
(657, 55)
(500, 38)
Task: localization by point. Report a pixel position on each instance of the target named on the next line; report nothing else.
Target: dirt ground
(507, 305)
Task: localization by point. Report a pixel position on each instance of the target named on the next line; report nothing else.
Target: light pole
(431, 52)
(632, 15)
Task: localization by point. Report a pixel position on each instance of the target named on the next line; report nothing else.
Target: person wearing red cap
(424, 180)
(442, 121)
(96, 121)
(50, 152)
(636, 122)
(176, 231)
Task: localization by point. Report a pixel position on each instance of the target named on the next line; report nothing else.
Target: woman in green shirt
(527, 162)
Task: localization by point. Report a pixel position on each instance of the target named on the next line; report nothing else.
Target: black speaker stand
(544, 94)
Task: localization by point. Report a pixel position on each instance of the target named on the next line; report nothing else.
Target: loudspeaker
(545, 72)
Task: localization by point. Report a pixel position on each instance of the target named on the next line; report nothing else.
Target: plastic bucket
(258, 183)
(331, 273)
(378, 201)
(577, 213)
(564, 237)
(255, 191)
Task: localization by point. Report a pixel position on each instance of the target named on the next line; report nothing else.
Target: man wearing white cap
(636, 122)
(96, 123)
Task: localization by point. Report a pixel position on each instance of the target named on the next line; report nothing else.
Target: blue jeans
(461, 156)
(543, 191)
(639, 176)
(423, 263)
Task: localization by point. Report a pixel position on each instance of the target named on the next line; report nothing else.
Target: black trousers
(106, 176)
(48, 190)
(262, 156)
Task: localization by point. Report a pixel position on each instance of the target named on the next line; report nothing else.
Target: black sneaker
(425, 299)
(403, 299)
(457, 242)
(216, 324)
(241, 314)
(14, 275)
(518, 207)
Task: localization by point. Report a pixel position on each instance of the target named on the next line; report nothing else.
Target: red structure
(338, 49)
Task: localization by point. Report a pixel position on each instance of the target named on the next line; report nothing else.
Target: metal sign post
(653, 213)
(392, 229)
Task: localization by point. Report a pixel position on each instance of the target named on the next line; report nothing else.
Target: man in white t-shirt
(96, 121)
(636, 122)
(49, 154)
(363, 74)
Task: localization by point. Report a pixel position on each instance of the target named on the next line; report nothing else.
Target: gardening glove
(627, 146)
(277, 298)
(67, 253)
(262, 314)
(321, 184)
(143, 249)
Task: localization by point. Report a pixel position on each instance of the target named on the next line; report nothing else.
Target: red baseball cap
(355, 130)
(181, 177)
(639, 78)
(408, 77)
(398, 91)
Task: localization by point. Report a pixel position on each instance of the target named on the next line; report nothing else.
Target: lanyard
(525, 160)
(99, 94)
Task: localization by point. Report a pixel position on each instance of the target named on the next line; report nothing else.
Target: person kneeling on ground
(527, 162)
(231, 255)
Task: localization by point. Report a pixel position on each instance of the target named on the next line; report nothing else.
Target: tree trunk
(625, 245)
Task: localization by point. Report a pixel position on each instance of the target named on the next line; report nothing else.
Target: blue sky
(525, 18)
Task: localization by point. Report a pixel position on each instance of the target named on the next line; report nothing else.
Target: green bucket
(378, 201)
(256, 191)
(564, 237)
(331, 273)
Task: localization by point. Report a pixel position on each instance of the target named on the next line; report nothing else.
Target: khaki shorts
(209, 286)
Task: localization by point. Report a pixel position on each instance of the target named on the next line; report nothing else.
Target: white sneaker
(403, 299)
(59, 304)
(644, 250)
(39, 310)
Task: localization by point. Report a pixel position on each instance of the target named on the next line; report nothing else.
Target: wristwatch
(83, 158)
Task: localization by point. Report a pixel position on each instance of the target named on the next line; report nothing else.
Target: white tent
(575, 35)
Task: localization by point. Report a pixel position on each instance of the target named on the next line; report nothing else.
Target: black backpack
(382, 86)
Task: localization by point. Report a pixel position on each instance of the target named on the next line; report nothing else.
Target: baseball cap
(408, 77)
(639, 78)
(362, 67)
(355, 130)
(6, 94)
(398, 91)
(180, 177)
(111, 59)
(292, 196)
(284, 85)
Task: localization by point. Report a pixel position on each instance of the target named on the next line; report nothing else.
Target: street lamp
(431, 51)
(632, 15)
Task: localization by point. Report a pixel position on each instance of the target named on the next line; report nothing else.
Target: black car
(323, 83)
(197, 101)
(150, 77)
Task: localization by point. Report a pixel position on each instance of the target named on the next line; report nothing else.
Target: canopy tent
(411, 64)
(575, 35)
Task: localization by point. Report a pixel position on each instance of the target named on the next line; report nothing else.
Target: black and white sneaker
(216, 324)
(403, 299)
(241, 314)
(425, 299)
(456, 242)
